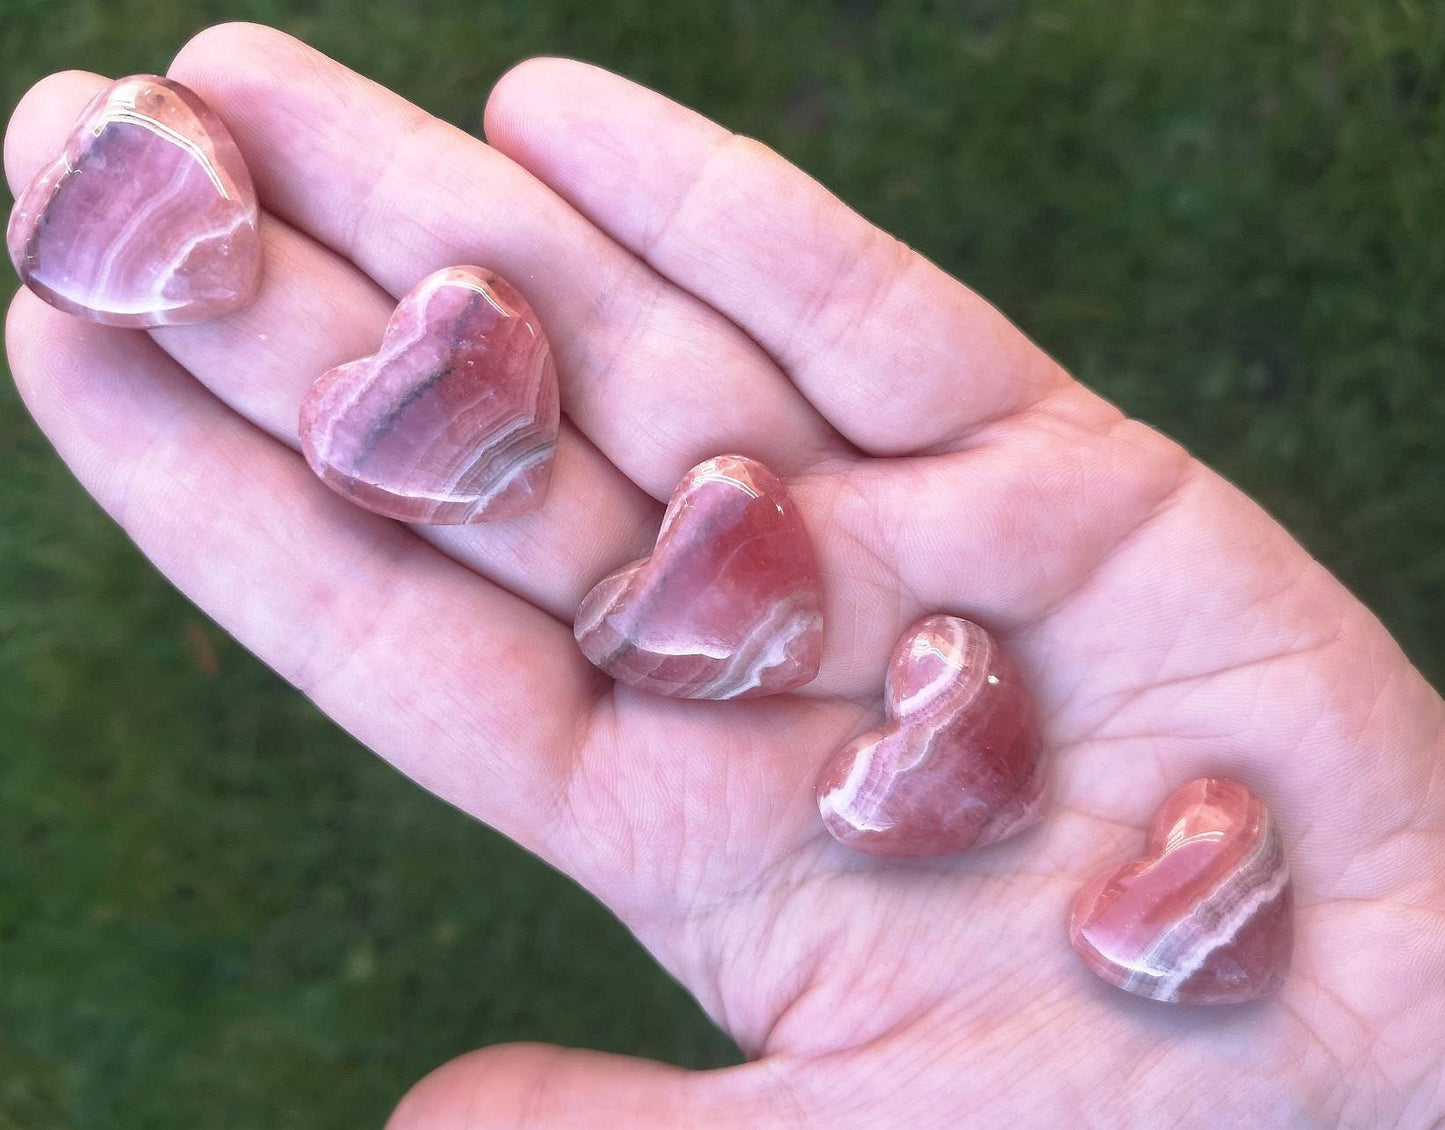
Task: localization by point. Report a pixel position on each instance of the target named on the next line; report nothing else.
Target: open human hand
(704, 296)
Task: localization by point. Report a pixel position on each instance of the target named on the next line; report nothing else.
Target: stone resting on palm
(704, 296)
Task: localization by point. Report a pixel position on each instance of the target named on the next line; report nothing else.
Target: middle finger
(654, 377)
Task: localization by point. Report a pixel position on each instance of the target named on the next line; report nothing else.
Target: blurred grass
(215, 911)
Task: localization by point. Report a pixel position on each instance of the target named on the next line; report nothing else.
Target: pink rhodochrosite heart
(957, 762)
(454, 419)
(147, 217)
(729, 605)
(1207, 916)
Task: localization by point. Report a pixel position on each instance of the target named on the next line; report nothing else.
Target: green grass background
(1229, 215)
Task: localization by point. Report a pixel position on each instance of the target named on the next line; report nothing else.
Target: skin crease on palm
(704, 296)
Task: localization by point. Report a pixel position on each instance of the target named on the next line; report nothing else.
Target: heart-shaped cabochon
(454, 419)
(147, 217)
(1206, 916)
(956, 764)
(729, 604)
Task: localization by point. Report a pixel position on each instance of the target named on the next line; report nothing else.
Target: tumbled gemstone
(148, 216)
(454, 419)
(729, 604)
(1206, 916)
(955, 765)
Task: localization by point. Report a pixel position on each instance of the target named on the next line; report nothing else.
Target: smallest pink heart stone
(1206, 916)
(957, 763)
(454, 419)
(729, 604)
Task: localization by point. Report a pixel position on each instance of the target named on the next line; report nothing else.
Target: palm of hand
(1168, 627)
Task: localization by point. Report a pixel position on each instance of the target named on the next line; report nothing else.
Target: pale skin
(704, 296)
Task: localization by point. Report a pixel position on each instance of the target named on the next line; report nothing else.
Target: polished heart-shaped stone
(729, 604)
(1207, 916)
(146, 218)
(454, 419)
(957, 762)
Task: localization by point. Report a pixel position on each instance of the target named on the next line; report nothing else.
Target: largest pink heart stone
(1206, 917)
(730, 603)
(454, 419)
(957, 763)
(147, 217)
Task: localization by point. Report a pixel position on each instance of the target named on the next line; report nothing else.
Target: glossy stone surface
(1207, 916)
(148, 216)
(957, 762)
(454, 419)
(730, 603)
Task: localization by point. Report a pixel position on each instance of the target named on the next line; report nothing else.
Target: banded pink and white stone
(1207, 916)
(728, 605)
(956, 764)
(146, 218)
(454, 419)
